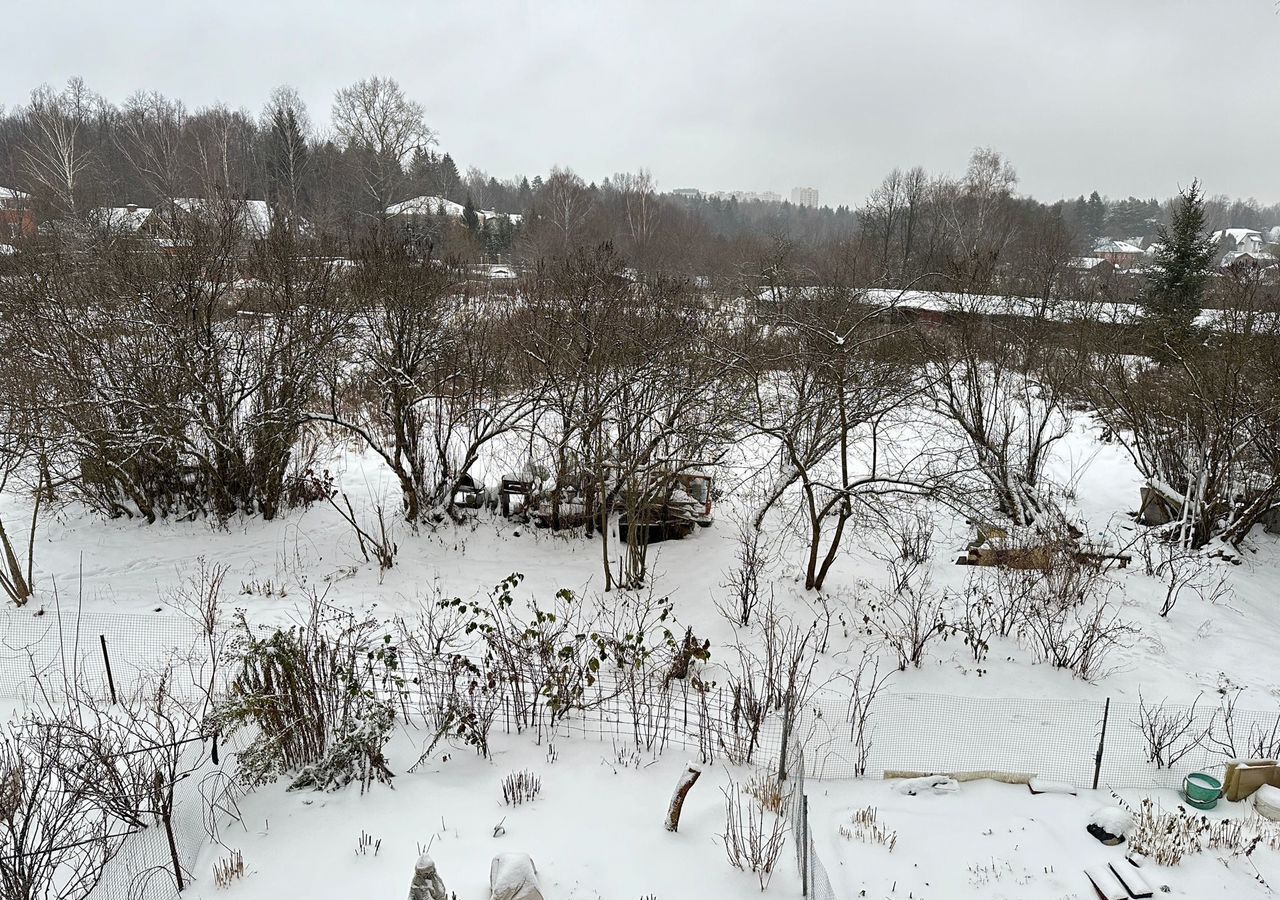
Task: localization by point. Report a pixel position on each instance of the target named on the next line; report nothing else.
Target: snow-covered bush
(908, 619)
(1070, 620)
(1166, 837)
(320, 698)
(909, 613)
(1169, 734)
(753, 837)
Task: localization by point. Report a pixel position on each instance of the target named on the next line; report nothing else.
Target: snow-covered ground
(596, 830)
(992, 841)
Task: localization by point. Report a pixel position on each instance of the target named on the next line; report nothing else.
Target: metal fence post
(106, 660)
(1102, 742)
(804, 831)
(786, 736)
(173, 851)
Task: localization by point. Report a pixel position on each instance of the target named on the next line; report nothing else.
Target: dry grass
(1166, 837)
(228, 869)
(864, 826)
(767, 792)
(520, 787)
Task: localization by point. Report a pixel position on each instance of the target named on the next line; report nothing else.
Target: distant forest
(73, 151)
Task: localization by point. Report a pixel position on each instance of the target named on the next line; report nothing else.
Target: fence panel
(57, 652)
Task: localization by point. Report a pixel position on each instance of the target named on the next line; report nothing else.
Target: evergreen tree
(450, 183)
(287, 158)
(1183, 263)
(1095, 217)
(470, 217)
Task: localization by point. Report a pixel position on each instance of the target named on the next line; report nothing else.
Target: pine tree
(1183, 263)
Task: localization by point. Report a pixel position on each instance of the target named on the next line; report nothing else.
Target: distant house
(16, 220)
(1120, 254)
(1239, 240)
(1094, 264)
(422, 207)
(126, 220)
(1244, 260)
(1242, 248)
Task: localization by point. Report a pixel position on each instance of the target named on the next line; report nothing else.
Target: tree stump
(687, 780)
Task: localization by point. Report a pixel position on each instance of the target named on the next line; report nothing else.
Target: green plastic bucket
(1201, 791)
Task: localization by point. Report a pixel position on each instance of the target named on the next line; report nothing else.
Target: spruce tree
(470, 217)
(1175, 291)
(1095, 217)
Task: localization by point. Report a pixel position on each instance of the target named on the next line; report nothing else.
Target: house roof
(426, 206)
(1109, 246)
(1086, 262)
(121, 218)
(433, 206)
(8, 193)
(1237, 235)
(255, 215)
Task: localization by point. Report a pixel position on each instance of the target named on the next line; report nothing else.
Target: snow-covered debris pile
(513, 876)
(934, 784)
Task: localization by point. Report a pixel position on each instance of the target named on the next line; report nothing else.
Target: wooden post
(687, 780)
(1102, 740)
(106, 660)
(173, 852)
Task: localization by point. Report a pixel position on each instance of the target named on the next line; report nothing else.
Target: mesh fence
(56, 653)
(1055, 739)
(1062, 740)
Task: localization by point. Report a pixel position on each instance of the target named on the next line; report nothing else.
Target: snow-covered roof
(121, 218)
(255, 215)
(1055, 311)
(1086, 262)
(8, 193)
(434, 206)
(1261, 257)
(1109, 246)
(426, 206)
(1237, 235)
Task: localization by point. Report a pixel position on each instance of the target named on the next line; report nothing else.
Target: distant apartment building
(804, 196)
(688, 193)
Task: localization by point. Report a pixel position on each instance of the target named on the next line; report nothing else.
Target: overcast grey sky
(1126, 96)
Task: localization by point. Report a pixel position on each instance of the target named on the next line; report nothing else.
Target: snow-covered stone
(426, 881)
(513, 876)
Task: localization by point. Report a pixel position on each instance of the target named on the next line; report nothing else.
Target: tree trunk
(687, 780)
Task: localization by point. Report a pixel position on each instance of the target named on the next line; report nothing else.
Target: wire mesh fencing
(1117, 744)
(57, 653)
(1110, 743)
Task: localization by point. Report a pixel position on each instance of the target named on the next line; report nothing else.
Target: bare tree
(54, 151)
(374, 118)
(829, 400)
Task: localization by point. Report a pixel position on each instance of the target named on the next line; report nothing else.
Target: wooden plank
(1132, 880)
(1106, 883)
